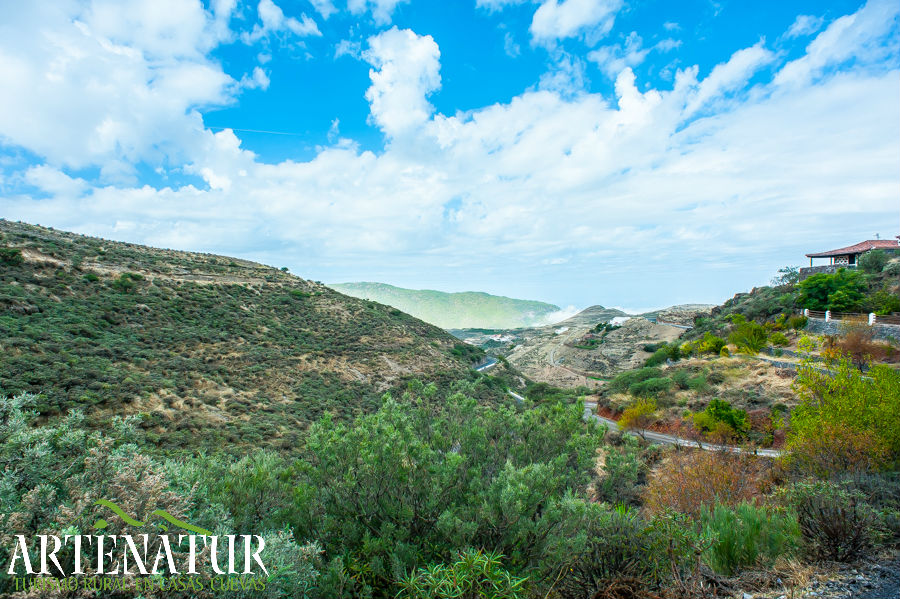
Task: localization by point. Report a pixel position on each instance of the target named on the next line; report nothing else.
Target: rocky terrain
(574, 353)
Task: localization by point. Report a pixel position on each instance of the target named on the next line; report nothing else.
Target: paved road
(590, 410)
(486, 365)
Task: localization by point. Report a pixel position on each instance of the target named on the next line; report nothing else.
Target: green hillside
(469, 309)
(210, 350)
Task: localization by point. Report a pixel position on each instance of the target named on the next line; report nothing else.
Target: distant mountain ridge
(468, 309)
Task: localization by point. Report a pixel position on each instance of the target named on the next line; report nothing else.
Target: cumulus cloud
(407, 69)
(556, 20)
(95, 89)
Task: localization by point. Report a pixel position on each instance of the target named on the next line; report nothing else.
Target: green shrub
(747, 536)
(11, 256)
(720, 412)
(680, 378)
(836, 523)
(873, 261)
(473, 573)
(622, 382)
(779, 339)
(651, 387)
(840, 291)
(91, 277)
(749, 337)
(711, 344)
(621, 472)
(658, 358)
(725, 353)
(618, 547)
(797, 322)
(698, 383)
(883, 302)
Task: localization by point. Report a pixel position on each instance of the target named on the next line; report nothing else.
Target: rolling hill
(209, 350)
(463, 310)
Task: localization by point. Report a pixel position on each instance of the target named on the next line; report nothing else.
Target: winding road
(590, 409)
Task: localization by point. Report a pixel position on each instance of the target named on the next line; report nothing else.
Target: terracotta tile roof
(859, 248)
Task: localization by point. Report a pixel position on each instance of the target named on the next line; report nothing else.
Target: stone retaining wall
(883, 332)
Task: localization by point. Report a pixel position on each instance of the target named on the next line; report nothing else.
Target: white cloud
(859, 36)
(730, 75)
(273, 20)
(381, 9)
(54, 181)
(407, 69)
(556, 20)
(638, 193)
(325, 8)
(613, 59)
(510, 46)
(804, 25)
(566, 77)
(347, 48)
(94, 88)
(258, 80)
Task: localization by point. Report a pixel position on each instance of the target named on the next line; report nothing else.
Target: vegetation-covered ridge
(210, 350)
(469, 309)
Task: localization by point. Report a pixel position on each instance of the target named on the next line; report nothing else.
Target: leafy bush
(840, 291)
(845, 400)
(747, 535)
(639, 415)
(693, 479)
(779, 339)
(622, 469)
(680, 378)
(722, 419)
(650, 387)
(620, 554)
(711, 344)
(873, 261)
(473, 574)
(658, 358)
(797, 322)
(11, 256)
(883, 302)
(749, 337)
(836, 523)
(622, 382)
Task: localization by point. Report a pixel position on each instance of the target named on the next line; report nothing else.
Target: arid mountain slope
(210, 350)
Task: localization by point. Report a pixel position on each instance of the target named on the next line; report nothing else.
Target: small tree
(789, 275)
(873, 261)
(638, 416)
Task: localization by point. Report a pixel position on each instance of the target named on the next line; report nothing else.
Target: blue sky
(634, 154)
